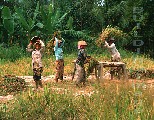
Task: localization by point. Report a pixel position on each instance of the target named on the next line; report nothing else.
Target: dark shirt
(81, 57)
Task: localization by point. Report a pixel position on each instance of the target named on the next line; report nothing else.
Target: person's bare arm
(109, 46)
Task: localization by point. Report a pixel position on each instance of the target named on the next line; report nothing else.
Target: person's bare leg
(36, 83)
(40, 83)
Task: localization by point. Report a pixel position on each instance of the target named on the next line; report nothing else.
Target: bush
(11, 53)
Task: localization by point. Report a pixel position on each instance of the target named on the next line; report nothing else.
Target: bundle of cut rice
(91, 66)
(109, 32)
(50, 44)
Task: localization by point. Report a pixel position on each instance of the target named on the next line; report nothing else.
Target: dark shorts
(36, 77)
(37, 73)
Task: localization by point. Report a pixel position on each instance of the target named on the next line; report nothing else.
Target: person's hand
(105, 43)
(55, 34)
(31, 42)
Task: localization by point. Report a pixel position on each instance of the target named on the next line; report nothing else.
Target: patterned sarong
(80, 74)
(59, 69)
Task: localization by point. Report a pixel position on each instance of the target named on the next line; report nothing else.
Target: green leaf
(62, 18)
(22, 20)
(36, 11)
(40, 25)
(43, 14)
(9, 25)
(78, 34)
(6, 14)
(30, 22)
(50, 8)
(37, 27)
(70, 23)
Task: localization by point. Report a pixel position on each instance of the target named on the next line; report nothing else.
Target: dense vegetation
(75, 20)
(79, 19)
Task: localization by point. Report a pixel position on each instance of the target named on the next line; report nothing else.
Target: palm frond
(78, 34)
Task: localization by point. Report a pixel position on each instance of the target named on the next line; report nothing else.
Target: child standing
(37, 51)
(115, 55)
(80, 69)
(59, 58)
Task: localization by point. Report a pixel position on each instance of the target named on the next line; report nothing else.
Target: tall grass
(105, 101)
(22, 65)
(108, 102)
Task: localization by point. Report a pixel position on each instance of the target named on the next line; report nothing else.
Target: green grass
(22, 66)
(15, 61)
(108, 100)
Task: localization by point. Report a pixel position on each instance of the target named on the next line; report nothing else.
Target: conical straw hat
(82, 43)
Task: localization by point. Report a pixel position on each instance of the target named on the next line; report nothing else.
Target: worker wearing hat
(81, 58)
(59, 43)
(36, 46)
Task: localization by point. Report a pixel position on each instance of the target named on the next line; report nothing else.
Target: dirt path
(86, 91)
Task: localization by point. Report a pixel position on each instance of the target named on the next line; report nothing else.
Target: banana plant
(52, 19)
(8, 22)
(30, 25)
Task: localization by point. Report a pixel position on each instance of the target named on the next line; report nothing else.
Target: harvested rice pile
(109, 32)
(50, 43)
(10, 84)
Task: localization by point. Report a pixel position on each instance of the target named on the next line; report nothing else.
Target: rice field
(107, 100)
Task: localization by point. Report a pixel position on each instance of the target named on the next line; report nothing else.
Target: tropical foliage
(22, 19)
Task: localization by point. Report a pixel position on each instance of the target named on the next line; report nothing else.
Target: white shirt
(36, 55)
(114, 52)
(36, 59)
